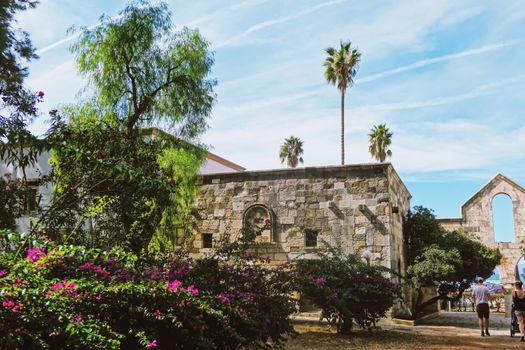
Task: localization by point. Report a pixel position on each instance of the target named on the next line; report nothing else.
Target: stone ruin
(477, 219)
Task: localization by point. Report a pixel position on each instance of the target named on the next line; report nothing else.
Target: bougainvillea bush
(69, 297)
(346, 289)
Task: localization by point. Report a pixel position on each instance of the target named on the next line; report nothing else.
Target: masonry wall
(350, 206)
(477, 220)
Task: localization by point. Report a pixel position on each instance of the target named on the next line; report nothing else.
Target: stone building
(357, 207)
(477, 219)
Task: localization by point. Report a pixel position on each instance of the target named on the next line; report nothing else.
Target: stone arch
(502, 217)
(477, 219)
(260, 218)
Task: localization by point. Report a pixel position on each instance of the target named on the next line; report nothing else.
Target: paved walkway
(454, 323)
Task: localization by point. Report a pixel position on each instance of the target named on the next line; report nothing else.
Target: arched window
(503, 218)
(259, 219)
(520, 270)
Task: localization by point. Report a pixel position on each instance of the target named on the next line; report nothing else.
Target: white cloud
(272, 22)
(439, 59)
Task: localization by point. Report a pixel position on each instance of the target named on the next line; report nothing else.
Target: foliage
(346, 289)
(111, 189)
(71, 297)
(142, 71)
(17, 103)
(113, 184)
(291, 151)
(340, 69)
(380, 138)
(449, 261)
(11, 191)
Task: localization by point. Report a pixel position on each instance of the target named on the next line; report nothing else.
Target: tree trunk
(343, 127)
(346, 325)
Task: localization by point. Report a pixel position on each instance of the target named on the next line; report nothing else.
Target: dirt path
(448, 331)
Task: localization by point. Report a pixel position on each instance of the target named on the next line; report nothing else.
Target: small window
(207, 240)
(310, 238)
(29, 200)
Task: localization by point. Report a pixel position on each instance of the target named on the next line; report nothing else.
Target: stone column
(508, 298)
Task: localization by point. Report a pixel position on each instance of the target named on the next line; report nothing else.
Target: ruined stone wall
(349, 206)
(477, 219)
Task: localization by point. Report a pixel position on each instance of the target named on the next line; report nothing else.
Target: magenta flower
(320, 280)
(157, 313)
(2, 273)
(40, 94)
(225, 298)
(8, 175)
(267, 222)
(173, 286)
(9, 304)
(76, 319)
(193, 290)
(65, 288)
(152, 344)
(35, 254)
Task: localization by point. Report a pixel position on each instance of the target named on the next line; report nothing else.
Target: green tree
(143, 72)
(340, 69)
(112, 183)
(447, 261)
(17, 103)
(380, 138)
(291, 151)
(346, 289)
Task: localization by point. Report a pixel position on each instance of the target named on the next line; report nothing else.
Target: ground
(448, 330)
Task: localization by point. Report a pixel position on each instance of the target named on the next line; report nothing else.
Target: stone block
(287, 196)
(219, 213)
(286, 220)
(238, 206)
(339, 186)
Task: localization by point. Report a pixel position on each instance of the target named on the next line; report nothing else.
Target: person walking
(481, 297)
(519, 307)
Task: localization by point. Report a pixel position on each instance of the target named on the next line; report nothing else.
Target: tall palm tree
(340, 69)
(380, 139)
(291, 151)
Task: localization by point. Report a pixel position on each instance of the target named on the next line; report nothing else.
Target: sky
(446, 76)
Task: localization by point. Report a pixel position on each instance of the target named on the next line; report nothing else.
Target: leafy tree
(380, 138)
(112, 183)
(142, 71)
(17, 103)
(291, 151)
(340, 69)
(346, 288)
(448, 261)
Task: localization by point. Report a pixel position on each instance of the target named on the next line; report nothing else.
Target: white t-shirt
(481, 294)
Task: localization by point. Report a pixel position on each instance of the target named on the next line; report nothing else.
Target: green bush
(69, 297)
(346, 289)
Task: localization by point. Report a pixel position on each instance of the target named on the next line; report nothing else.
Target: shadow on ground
(447, 331)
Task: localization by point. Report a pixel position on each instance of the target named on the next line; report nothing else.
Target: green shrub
(69, 297)
(346, 289)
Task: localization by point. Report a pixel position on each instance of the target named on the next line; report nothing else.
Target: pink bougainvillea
(35, 254)
(152, 344)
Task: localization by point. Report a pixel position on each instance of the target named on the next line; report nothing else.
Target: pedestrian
(481, 298)
(519, 307)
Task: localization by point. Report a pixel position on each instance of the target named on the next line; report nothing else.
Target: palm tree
(291, 151)
(380, 139)
(341, 67)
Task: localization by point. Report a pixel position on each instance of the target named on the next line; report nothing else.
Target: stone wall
(477, 220)
(356, 207)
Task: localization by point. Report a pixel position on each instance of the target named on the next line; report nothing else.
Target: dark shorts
(483, 310)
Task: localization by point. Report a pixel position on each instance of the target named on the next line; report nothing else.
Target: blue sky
(446, 76)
